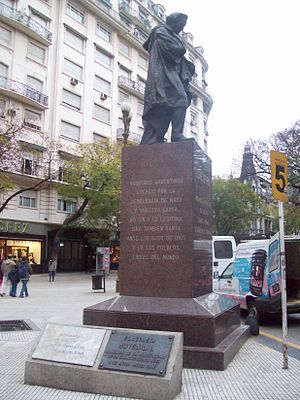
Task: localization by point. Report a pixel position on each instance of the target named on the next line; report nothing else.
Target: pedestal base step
(216, 358)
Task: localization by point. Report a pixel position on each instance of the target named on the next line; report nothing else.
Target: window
(75, 13)
(191, 58)
(143, 61)
(97, 137)
(74, 40)
(102, 85)
(194, 100)
(124, 72)
(102, 57)
(70, 131)
(228, 273)
(66, 205)
(33, 120)
(3, 69)
(43, 21)
(101, 113)
(194, 119)
(29, 166)
(35, 52)
(223, 249)
(28, 199)
(71, 99)
(2, 108)
(104, 33)
(9, 3)
(5, 36)
(35, 83)
(123, 97)
(140, 108)
(124, 48)
(160, 11)
(72, 69)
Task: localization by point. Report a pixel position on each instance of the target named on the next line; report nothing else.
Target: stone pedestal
(166, 255)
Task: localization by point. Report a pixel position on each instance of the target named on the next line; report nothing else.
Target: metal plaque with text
(142, 353)
(69, 344)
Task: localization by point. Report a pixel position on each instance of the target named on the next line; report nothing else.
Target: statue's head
(176, 21)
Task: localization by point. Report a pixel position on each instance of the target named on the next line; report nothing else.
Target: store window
(68, 206)
(28, 199)
(31, 249)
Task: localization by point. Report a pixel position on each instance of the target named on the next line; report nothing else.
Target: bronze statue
(167, 93)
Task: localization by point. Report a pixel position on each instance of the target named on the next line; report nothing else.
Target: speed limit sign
(279, 174)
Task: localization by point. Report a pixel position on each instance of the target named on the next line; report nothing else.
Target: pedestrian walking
(6, 266)
(51, 269)
(24, 271)
(14, 279)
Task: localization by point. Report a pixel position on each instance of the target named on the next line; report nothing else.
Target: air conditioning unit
(103, 96)
(74, 81)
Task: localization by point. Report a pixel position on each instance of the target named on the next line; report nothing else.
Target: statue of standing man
(167, 93)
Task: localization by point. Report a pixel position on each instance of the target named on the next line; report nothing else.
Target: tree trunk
(67, 221)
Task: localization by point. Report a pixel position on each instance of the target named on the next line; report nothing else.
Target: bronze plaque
(141, 353)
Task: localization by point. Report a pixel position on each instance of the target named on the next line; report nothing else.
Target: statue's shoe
(181, 138)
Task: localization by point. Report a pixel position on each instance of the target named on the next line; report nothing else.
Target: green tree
(235, 206)
(93, 177)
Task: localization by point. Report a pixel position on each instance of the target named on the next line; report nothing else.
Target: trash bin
(98, 280)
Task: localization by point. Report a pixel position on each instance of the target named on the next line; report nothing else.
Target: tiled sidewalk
(255, 372)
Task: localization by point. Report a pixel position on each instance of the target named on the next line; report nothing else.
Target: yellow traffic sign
(279, 174)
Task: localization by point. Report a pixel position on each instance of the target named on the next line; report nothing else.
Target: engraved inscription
(137, 352)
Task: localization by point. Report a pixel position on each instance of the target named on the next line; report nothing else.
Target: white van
(224, 249)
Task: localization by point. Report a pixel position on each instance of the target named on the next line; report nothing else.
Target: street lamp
(126, 118)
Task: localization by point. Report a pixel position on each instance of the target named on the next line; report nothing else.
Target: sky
(253, 52)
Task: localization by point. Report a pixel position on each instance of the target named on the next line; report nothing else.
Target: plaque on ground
(69, 344)
(142, 353)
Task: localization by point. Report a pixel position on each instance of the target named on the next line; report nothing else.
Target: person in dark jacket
(167, 94)
(14, 279)
(24, 271)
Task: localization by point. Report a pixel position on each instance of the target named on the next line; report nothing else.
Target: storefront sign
(13, 226)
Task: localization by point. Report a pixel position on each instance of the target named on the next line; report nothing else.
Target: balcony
(23, 22)
(23, 93)
(200, 89)
(139, 19)
(133, 137)
(134, 87)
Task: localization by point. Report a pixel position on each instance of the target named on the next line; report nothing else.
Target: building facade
(65, 67)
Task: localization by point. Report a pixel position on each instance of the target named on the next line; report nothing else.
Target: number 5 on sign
(279, 174)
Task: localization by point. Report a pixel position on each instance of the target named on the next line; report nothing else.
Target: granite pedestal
(166, 255)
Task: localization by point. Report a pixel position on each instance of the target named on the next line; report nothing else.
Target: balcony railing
(24, 90)
(138, 17)
(130, 84)
(133, 137)
(26, 20)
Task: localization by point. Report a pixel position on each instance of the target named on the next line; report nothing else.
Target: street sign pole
(283, 286)
(279, 174)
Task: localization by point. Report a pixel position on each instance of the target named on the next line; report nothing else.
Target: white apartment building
(65, 67)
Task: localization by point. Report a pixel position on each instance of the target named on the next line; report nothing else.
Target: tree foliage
(287, 142)
(235, 206)
(94, 178)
